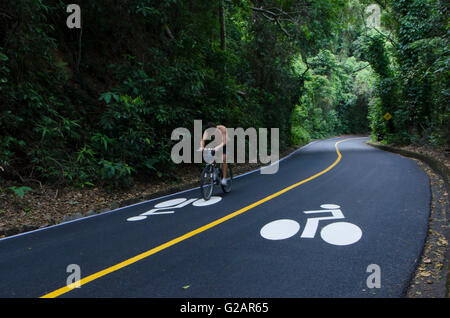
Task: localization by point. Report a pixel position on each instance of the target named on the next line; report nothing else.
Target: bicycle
(212, 175)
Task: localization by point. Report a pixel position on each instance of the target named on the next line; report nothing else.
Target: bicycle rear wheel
(227, 188)
(207, 182)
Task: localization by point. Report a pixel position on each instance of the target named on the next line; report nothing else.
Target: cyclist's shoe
(224, 182)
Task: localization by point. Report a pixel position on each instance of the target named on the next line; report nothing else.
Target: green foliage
(410, 55)
(334, 99)
(375, 52)
(19, 191)
(97, 107)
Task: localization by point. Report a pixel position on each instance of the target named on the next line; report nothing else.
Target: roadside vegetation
(95, 107)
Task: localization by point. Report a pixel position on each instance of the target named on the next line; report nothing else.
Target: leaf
(186, 287)
(107, 97)
(425, 274)
(443, 241)
(20, 192)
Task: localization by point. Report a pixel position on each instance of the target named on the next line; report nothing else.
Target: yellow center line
(161, 247)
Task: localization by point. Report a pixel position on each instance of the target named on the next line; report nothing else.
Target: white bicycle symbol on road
(337, 233)
(168, 207)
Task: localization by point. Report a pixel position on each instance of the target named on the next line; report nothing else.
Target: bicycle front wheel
(207, 182)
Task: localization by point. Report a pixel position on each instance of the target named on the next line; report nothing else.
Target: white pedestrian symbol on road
(337, 233)
(168, 207)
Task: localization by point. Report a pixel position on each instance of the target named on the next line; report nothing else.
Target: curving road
(339, 219)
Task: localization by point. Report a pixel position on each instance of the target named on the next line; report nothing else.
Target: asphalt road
(263, 239)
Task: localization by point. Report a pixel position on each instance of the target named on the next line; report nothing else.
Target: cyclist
(223, 131)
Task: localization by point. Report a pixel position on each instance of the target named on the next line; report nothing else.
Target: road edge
(437, 166)
(442, 171)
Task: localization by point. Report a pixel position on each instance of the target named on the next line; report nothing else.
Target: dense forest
(97, 104)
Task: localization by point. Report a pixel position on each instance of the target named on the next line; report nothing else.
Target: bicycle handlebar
(213, 152)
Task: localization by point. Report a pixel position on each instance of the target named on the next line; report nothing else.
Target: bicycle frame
(214, 172)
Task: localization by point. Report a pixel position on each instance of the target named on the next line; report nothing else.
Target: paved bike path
(385, 195)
